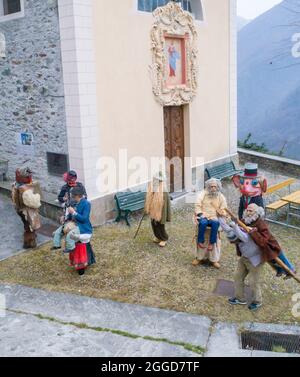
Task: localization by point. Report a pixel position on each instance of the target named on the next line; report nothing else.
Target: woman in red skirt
(82, 257)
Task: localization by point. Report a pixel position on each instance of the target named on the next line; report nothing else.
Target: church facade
(112, 88)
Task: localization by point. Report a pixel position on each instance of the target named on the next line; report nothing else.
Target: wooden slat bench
(279, 204)
(129, 202)
(275, 206)
(281, 185)
(222, 171)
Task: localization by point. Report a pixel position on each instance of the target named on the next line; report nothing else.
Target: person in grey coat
(250, 264)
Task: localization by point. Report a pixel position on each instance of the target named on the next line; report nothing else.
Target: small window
(11, 6)
(192, 6)
(57, 163)
(10, 9)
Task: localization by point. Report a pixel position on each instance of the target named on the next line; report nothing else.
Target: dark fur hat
(77, 191)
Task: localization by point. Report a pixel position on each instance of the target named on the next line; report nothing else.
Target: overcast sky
(253, 8)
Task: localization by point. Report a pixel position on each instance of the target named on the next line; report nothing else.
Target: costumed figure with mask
(252, 187)
(26, 197)
(262, 236)
(70, 179)
(251, 264)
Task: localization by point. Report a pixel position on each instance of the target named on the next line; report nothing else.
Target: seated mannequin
(210, 204)
(204, 256)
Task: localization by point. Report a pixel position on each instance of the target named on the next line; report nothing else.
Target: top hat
(251, 171)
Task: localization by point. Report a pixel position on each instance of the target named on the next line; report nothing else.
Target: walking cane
(139, 226)
(278, 261)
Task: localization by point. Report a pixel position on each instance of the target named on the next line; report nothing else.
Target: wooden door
(174, 146)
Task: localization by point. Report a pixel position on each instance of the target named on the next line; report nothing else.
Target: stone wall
(31, 90)
(271, 163)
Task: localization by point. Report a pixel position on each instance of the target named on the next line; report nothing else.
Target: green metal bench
(129, 202)
(223, 171)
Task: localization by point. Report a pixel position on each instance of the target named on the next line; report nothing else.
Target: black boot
(29, 240)
(55, 248)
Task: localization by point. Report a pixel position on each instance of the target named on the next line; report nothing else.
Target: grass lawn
(139, 272)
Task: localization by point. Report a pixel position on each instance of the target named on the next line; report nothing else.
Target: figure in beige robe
(211, 204)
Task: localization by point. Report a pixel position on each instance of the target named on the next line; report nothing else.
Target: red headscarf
(70, 178)
(24, 176)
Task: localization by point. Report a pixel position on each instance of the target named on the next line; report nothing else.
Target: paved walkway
(11, 230)
(39, 323)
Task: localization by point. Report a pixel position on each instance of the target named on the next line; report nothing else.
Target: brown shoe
(216, 265)
(196, 262)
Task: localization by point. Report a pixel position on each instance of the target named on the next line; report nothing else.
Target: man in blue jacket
(79, 214)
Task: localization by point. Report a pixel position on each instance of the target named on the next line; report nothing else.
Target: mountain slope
(241, 22)
(269, 79)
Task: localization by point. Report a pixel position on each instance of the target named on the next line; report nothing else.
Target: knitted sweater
(207, 205)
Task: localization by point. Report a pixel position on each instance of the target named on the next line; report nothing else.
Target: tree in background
(291, 46)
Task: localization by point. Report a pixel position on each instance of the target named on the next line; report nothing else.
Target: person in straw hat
(158, 207)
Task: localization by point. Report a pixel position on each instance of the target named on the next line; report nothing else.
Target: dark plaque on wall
(58, 164)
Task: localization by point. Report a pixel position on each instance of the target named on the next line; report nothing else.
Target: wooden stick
(139, 226)
(240, 223)
(285, 267)
(278, 260)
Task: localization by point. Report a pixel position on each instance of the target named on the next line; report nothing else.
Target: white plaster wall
(78, 57)
(109, 101)
(233, 77)
(131, 117)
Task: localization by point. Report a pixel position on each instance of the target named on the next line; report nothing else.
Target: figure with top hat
(252, 187)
